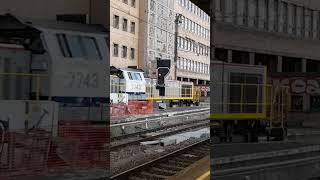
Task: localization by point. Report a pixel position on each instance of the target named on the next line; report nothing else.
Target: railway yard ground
(174, 144)
(181, 133)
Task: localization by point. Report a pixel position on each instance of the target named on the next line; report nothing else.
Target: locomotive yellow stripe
(237, 116)
(168, 98)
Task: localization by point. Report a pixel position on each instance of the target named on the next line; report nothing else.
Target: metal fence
(174, 90)
(237, 101)
(41, 138)
(38, 153)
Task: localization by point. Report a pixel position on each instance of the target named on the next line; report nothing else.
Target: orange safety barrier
(118, 110)
(140, 107)
(133, 108)
(68, 149)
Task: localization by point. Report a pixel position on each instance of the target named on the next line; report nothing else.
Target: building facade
(124, 33)
(193, 43)
(83, 11)
(280, 34)
(158, 33)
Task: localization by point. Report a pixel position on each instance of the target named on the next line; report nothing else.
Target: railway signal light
(163, 67)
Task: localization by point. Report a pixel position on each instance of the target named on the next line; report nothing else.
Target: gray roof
(61, 25)
(10, 22)
(133, 70)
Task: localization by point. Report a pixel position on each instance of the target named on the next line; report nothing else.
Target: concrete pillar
(304, 65)
(279, 65)
(229, 56)
(251, 58)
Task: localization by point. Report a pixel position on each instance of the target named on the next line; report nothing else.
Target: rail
(127, 174)
(197, 112)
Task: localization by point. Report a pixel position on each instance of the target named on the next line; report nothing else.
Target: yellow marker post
(204, 176)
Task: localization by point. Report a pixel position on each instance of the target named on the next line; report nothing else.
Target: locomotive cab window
(76, 46)
(138, 76)
(130, 75)
(134, 76)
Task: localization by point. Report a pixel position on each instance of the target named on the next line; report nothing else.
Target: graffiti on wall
(300, 85)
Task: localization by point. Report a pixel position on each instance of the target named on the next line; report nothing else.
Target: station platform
(198, 171)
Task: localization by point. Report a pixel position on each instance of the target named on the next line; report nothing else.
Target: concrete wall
(100, 12)
(267, 32)
(45, 9)
(230, 37)
(96, 10)
(289, 28)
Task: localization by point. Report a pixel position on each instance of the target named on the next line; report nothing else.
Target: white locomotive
(127, 84)
(59, 62)
(130, 85)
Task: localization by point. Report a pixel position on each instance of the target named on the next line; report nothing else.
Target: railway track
(160, 133)
(143, 131)
(168, 165)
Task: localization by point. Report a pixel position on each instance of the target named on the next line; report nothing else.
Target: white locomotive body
(58, 61)
(128, 84)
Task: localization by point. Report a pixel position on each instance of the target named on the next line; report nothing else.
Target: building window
(276, 15)
(116, 21)
(125, 24)
(133, 3)
(294, 26)
(125, 1)
(132, 53)
(124, 51)
(133, 27)
(201, 70)
(318, 25)
(115, 49)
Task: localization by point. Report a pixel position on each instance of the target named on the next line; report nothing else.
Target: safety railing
(172, 93)
(69, 149)
(49, 142)
(119, 94)
(278, 105)
(235, 101)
